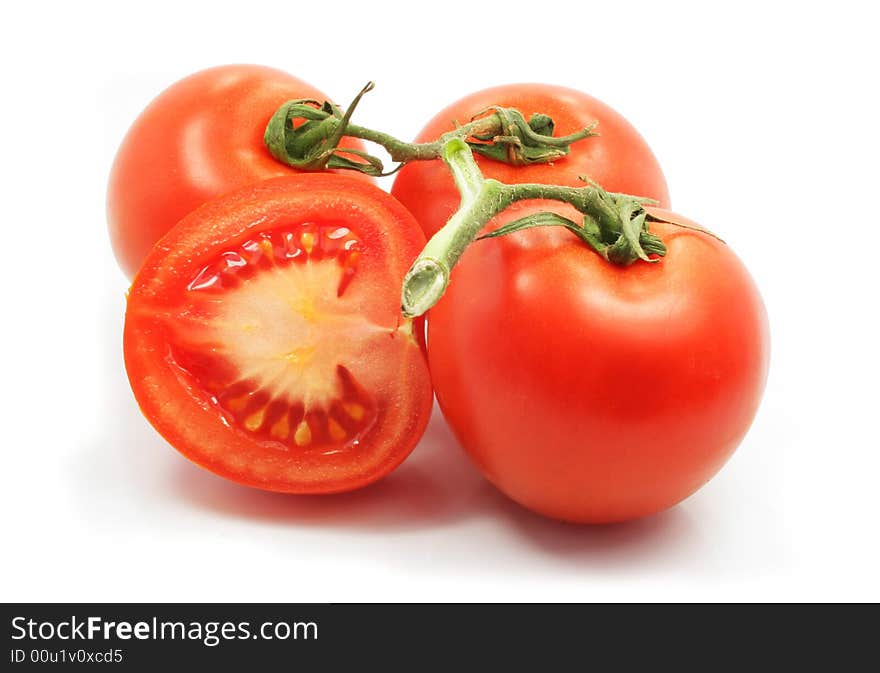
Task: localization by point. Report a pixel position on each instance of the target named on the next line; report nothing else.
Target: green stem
(481, 200)
(305, 134)
(614, 225)
(404, 152)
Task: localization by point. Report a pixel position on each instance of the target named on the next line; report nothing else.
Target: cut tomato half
(264, 339)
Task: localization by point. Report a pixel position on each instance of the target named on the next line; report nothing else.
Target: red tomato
(200, 138)
(264, 340)
(618, 159)
(593, 393)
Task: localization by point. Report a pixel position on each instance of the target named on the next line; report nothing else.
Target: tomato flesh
(289, 340)
(285, 325)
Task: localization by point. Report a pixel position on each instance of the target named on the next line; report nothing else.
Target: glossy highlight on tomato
(594, 393)
(618, 158)
(200, 138)
(264, 341)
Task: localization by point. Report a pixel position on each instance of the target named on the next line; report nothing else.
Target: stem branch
(614, 224)
(404, 152)
(481, 200)
(305, 134)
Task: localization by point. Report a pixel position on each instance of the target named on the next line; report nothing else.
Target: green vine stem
(614, 225)
(306, 133)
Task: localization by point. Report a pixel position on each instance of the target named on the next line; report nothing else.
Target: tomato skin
(618, 158)
(201, 137)
(183, 413)
(592, 393)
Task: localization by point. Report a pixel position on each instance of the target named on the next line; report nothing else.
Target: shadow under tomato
(430, 489)
(436, 487)
(668, 534)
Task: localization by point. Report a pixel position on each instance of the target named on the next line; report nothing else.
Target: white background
(765, 119)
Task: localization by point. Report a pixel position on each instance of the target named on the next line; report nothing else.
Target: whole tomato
(618, 158)
(590, 392)
(201, 137)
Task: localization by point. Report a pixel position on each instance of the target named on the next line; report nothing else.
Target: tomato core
(271, 336)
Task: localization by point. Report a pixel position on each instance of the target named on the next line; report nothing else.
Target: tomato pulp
(618, 158)
(594, 393)
(200, 138)
(264, 340)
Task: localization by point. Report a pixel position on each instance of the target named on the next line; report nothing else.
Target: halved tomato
(264, 339)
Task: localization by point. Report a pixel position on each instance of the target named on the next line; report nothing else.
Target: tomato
(264, 340)
(618, 159)
(594, 393)
(200, 138)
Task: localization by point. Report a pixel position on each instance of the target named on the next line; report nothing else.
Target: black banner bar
(333, 637)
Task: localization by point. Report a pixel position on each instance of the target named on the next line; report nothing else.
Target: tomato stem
(481, 200)
(305, 134)
(614, 225)
(404, 152)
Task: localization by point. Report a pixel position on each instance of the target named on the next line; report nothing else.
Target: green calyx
(518, 142)
(313, 144)
(614, 225)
